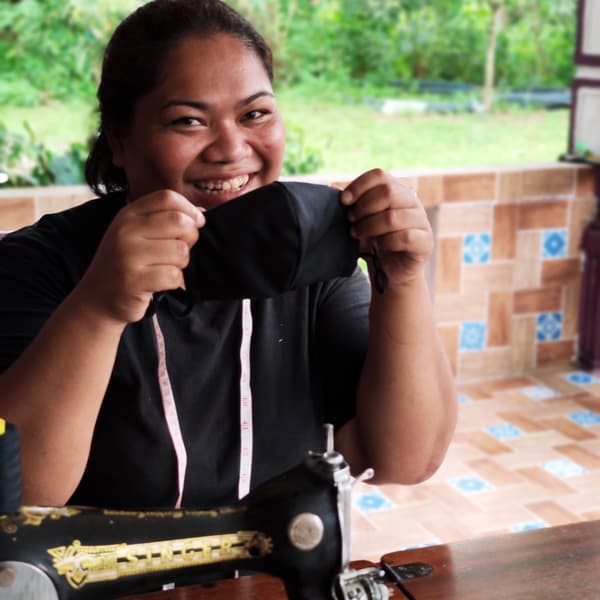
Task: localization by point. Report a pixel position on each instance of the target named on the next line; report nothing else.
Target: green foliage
(300, 158)
(24, 161)
(52, 47)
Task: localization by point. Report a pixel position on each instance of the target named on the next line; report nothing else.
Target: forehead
(206, 65)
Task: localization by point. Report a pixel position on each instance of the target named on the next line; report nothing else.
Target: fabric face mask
(277, 238)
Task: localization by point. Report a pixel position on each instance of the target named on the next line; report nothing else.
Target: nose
(227, 145)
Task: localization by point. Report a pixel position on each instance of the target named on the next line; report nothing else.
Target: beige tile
(523, 348)
(510, 187)
(585, 183)
(571, 293)
(542, 478)
(568, 428)
(538, 300)
(500, 319)
(494, 362)
(430, 189)
(492, 277)
(522, 421)
(461, 307)
(457, 219)
(549, 183)
(495, 386)
(552, 353)
(16, 213)
(471, 187)
(552, 513)
(504, 234)
(451, 499)
(582, 456)
(449, 336)
(494, 473)
(527, 271)
(495, 517)
(445, 528)
(448, 265)
(560, 272)
(581, 213)
(487, 443)
(543, 215)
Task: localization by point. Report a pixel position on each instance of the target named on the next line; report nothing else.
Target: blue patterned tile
(539, 392)
(504, 431)
(371, 501)
(563, 468)
(471, 484)
(529, 526)
(554, 243)
(472, 335)
(585, 417)
(476, 248)
(549, 326)
(464, 399)
(580, 378)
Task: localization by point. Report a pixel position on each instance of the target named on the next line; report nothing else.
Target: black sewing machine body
(295, 526)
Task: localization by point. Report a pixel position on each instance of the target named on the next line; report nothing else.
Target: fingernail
(346, 197)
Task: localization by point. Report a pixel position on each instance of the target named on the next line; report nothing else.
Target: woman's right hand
(144, 250)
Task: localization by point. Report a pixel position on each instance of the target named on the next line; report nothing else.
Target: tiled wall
(507, 263)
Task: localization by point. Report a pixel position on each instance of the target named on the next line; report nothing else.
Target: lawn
(352, 136)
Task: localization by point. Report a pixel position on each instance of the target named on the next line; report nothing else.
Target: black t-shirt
(307, 349)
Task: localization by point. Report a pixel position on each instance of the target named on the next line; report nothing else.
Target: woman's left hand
(389, 218)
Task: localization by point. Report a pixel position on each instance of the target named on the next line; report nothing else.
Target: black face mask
(277, 238)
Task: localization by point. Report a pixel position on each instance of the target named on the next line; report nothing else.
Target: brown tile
(487, 443)
(528, 261)
(457, 219)
(493, 277)
(560, 272)
(452, 499)
(448, 265)
(542, 478)
(496, 387)
(474, 391)
(460, 307)
(585, 182)
(510, 187)
(538, 300)
(449, 336)
(585, 458)
(523, 422)
(500, 318)
(523, 343)
(494, 473)
(430, 189)
(470, 188)
(571, 309)
(581, 213)
(543, 215)
(552, 513)
(490, 363)
(555, 353)
(504, 233)
(16, 213)
(548, 182)
(568, 428)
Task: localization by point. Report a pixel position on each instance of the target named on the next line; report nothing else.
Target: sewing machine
(295, 526)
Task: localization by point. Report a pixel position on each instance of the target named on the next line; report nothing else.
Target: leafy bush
(24, 161)
(299, 158)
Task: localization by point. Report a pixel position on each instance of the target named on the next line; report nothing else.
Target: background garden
(361, 83)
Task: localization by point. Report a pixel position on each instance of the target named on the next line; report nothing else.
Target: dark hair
(132, 66)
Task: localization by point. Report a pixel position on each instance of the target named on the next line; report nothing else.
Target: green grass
(351, 137)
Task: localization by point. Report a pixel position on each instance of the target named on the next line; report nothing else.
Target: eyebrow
(199, 105)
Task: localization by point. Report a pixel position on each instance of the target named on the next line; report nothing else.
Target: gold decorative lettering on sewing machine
(82, 565)
(34, 516)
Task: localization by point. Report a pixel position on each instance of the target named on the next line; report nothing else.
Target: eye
(193, 121)
(253, 115)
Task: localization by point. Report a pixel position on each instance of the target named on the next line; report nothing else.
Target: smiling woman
(127, 390)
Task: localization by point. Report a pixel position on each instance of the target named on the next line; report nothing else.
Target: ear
(115, 144)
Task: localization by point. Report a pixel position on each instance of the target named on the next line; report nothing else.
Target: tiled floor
(526, 454)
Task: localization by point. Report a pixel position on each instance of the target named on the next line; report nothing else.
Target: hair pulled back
(132, 64)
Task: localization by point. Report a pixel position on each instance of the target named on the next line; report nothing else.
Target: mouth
(223, 186)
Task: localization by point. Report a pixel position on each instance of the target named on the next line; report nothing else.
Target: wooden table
(557, 563)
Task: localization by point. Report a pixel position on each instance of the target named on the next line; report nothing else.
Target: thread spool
(10, 469)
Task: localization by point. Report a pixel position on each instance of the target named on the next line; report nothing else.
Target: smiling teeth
(221, 185)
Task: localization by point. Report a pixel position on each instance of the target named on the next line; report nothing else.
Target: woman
(119, 408)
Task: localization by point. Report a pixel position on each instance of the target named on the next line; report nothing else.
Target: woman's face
(210, 129)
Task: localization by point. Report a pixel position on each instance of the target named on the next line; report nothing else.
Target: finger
(157, 278)
(361, 184)
(168, 200)
(416, 242)
(169, 224)
(388, 221)
(168, 252)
